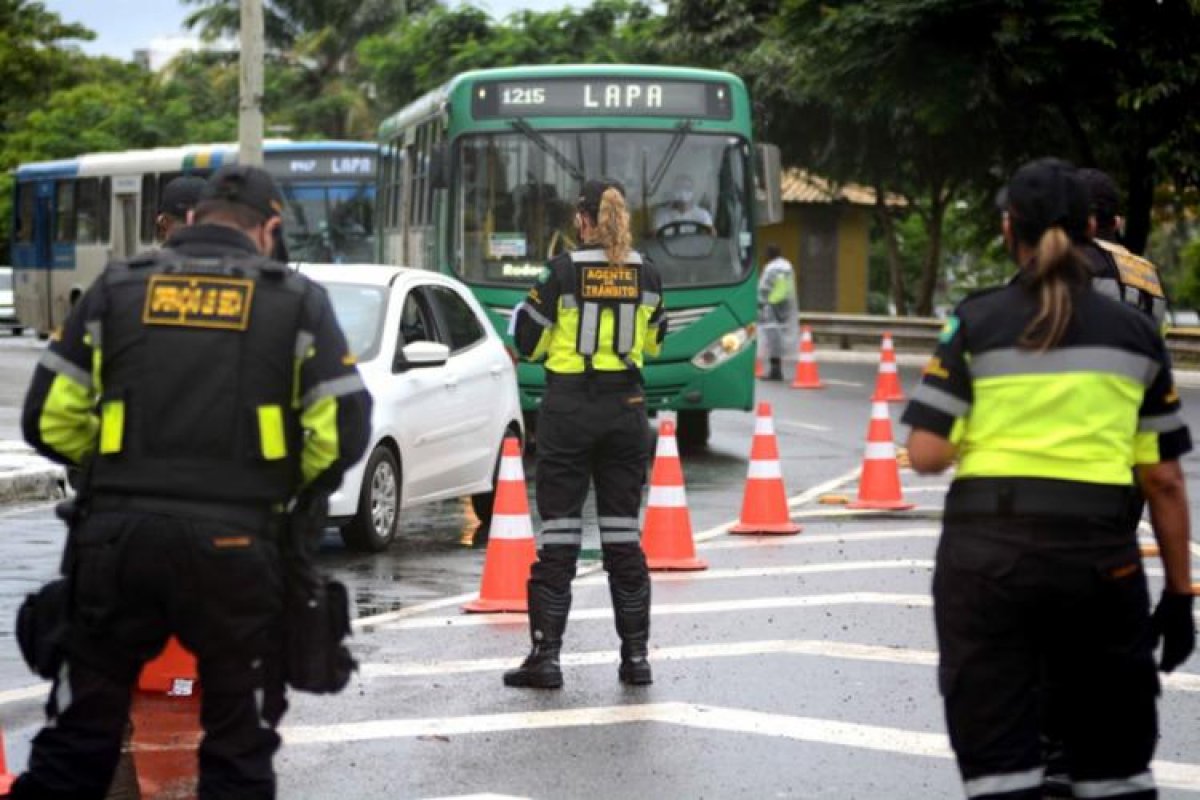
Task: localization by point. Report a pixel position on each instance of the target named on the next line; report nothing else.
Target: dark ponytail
(1056, 269)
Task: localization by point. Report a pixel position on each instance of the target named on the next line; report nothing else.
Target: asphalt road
(794, 667)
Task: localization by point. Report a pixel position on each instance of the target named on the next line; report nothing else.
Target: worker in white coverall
(778, 314)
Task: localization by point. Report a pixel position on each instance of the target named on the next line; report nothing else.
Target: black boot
(776, 373)
(629, 585)
(548, 611)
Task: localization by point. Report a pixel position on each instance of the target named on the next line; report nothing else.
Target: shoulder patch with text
(185, 301)
(610, 283)
(948, 329)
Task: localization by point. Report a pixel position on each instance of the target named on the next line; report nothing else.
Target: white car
(8, 312)
(445, 391)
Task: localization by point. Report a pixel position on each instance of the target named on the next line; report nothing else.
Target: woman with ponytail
(592, 317)
(1053, 400)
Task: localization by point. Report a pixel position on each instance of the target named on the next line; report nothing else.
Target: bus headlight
(724, 348)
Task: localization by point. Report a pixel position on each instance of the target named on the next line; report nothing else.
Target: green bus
(479, 178)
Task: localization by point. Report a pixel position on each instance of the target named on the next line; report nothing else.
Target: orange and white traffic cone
(879, 484)
(807, 375)
(764, 504)
(6, 777)
(511, 550)
(887, 385)
(173, 672)
(667, 533)
(758, 367)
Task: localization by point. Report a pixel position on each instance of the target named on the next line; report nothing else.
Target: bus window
(64, 211)
(329, 224)
(87, 211)
(26, 205)
(149, 208)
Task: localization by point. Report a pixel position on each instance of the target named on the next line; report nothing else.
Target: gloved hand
(1174, 624)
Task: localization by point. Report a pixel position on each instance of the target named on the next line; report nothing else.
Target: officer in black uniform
(592, 315)
(178, 199)
(1116, 271)
(1049, 396)
(202, 387)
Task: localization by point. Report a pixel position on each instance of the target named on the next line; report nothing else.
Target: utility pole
(250, 117)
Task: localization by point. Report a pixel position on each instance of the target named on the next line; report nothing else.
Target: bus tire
(694, 429)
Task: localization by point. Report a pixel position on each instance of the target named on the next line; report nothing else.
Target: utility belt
(252, 517)
(1016, 497)
(595, 381)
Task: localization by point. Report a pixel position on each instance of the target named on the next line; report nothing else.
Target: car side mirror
(421, 355)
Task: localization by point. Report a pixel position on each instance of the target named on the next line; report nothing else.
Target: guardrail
(919, 333)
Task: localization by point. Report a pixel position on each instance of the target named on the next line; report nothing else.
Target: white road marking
(921, 513)
(838, 382)
(673, 609)
(734, 573)
(804, 426)
(859, 736)
(37, 691)
(821, 538)
(481, 797)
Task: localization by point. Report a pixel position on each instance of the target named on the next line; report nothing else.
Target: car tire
(483, 502)
(17, 331)
(374, 525)
(694, 429)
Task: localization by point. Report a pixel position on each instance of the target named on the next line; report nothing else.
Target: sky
(122, 26)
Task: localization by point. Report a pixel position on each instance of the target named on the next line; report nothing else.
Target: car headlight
(725, 348)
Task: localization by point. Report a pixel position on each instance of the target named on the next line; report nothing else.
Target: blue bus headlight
(724, 348)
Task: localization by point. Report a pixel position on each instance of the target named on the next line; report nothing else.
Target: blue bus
(71, 217)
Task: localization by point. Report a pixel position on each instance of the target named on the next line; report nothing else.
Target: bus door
(125, 219)
(33, 255)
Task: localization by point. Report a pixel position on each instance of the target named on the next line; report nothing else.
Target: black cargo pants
(1037, 613)
(137, 578)
(585, 434)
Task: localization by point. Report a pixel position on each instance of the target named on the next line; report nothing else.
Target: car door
(475, 374)
(422, 409)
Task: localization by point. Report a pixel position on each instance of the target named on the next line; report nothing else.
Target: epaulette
(1135, 271)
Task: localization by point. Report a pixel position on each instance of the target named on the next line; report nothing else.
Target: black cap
(593, 189)
(248, 186)
(181, 195)
(1104, 198)
(1045, 193)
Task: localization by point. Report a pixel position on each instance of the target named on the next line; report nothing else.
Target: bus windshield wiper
(681, 132)
(562, 161)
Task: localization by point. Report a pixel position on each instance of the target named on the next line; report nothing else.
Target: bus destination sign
(354, 166)
(629, 97)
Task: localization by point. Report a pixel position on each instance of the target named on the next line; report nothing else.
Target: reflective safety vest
(603, 314)
(196, 364)
(1131, 279)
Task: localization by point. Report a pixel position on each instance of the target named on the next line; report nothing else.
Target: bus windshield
(687, 192)
(331, 224)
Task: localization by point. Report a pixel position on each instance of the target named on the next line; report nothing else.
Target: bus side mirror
(439, 166)
(768, 185)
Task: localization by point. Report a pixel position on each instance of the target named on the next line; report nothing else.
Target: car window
(416, 322)
(360, 312)
(463, 327)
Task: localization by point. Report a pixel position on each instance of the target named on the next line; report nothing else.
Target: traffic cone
(879, 484)
(758, 367)
(667, 534)
(764, 505)
(887, 385)
(173, 672)
(511, 550)
(6, 777)
(807, 376)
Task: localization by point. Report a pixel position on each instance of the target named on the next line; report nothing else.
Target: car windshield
(687, 194)
(5, 281)
(360, 311)
(329, 224)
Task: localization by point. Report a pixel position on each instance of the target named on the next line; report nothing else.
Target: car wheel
(482, 503)
(694, 429)
(378, 517)
(17, 331)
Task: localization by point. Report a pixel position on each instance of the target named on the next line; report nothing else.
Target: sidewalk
(26, 476)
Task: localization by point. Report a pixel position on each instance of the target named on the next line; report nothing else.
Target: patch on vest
(1138, 273)
(198, 302)
(598, 284)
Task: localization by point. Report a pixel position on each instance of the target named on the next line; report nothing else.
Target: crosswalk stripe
(805, 539)
(672, 609)
(774, 572)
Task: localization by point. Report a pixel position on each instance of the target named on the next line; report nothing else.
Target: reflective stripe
(565, 524)
(764, 426)
(668, 447)
(1108, 360)
(568, 301)
(511, 470)
(534, 315)
(599, 256)
(1142, 782)
(271, 437)
(651, 299)
(1109, 287)
(880, 451)
(589, 329)
(619, 523)
(112, 426)
(619, 537)
(562, 538)
(760, 470)
(626, 320)
(304, 340)
(1008, 782)
(887, 366)
(1162, 423)
(510, 526)
(667, 497)
(941, 400)
(338, 387)
(94, 328)
(61, 366)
